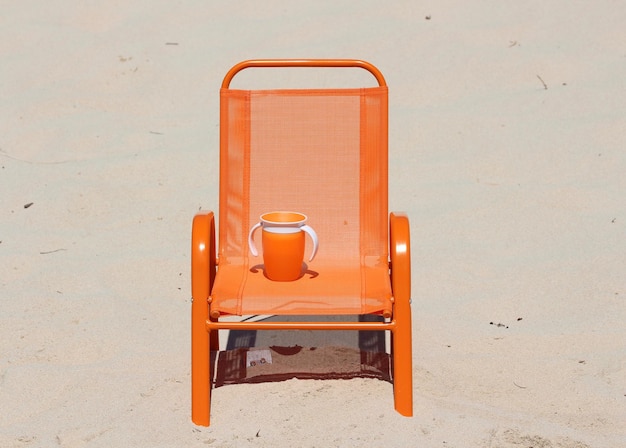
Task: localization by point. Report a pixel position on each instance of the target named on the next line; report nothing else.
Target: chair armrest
(400, 251)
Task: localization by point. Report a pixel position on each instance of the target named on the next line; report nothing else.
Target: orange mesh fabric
(319, 152)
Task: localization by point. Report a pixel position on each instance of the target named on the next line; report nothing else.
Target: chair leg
(402, 365)
(200, 368)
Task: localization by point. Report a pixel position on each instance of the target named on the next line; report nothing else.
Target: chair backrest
(322, 152)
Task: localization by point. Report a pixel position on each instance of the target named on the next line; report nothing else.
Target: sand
(506, 150)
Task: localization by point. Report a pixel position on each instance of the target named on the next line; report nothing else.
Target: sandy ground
(507, 132)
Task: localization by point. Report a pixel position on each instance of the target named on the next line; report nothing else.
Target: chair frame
(205, 325)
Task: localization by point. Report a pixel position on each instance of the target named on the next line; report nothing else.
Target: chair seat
(243, 289)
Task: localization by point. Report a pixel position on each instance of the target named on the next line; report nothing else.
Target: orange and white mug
(283, 244)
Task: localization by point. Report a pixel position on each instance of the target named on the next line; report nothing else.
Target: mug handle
(251, 239)
(308, 229)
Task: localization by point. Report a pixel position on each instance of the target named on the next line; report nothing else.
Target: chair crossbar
(357, 326)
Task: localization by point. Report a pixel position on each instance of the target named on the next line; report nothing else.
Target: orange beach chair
(321, 152)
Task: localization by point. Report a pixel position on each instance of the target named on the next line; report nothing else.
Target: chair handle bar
(282, 63)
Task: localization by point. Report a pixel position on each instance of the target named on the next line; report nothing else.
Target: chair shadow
(367, 341)
(374, 361)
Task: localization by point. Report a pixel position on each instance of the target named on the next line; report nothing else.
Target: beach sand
(506, 150)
